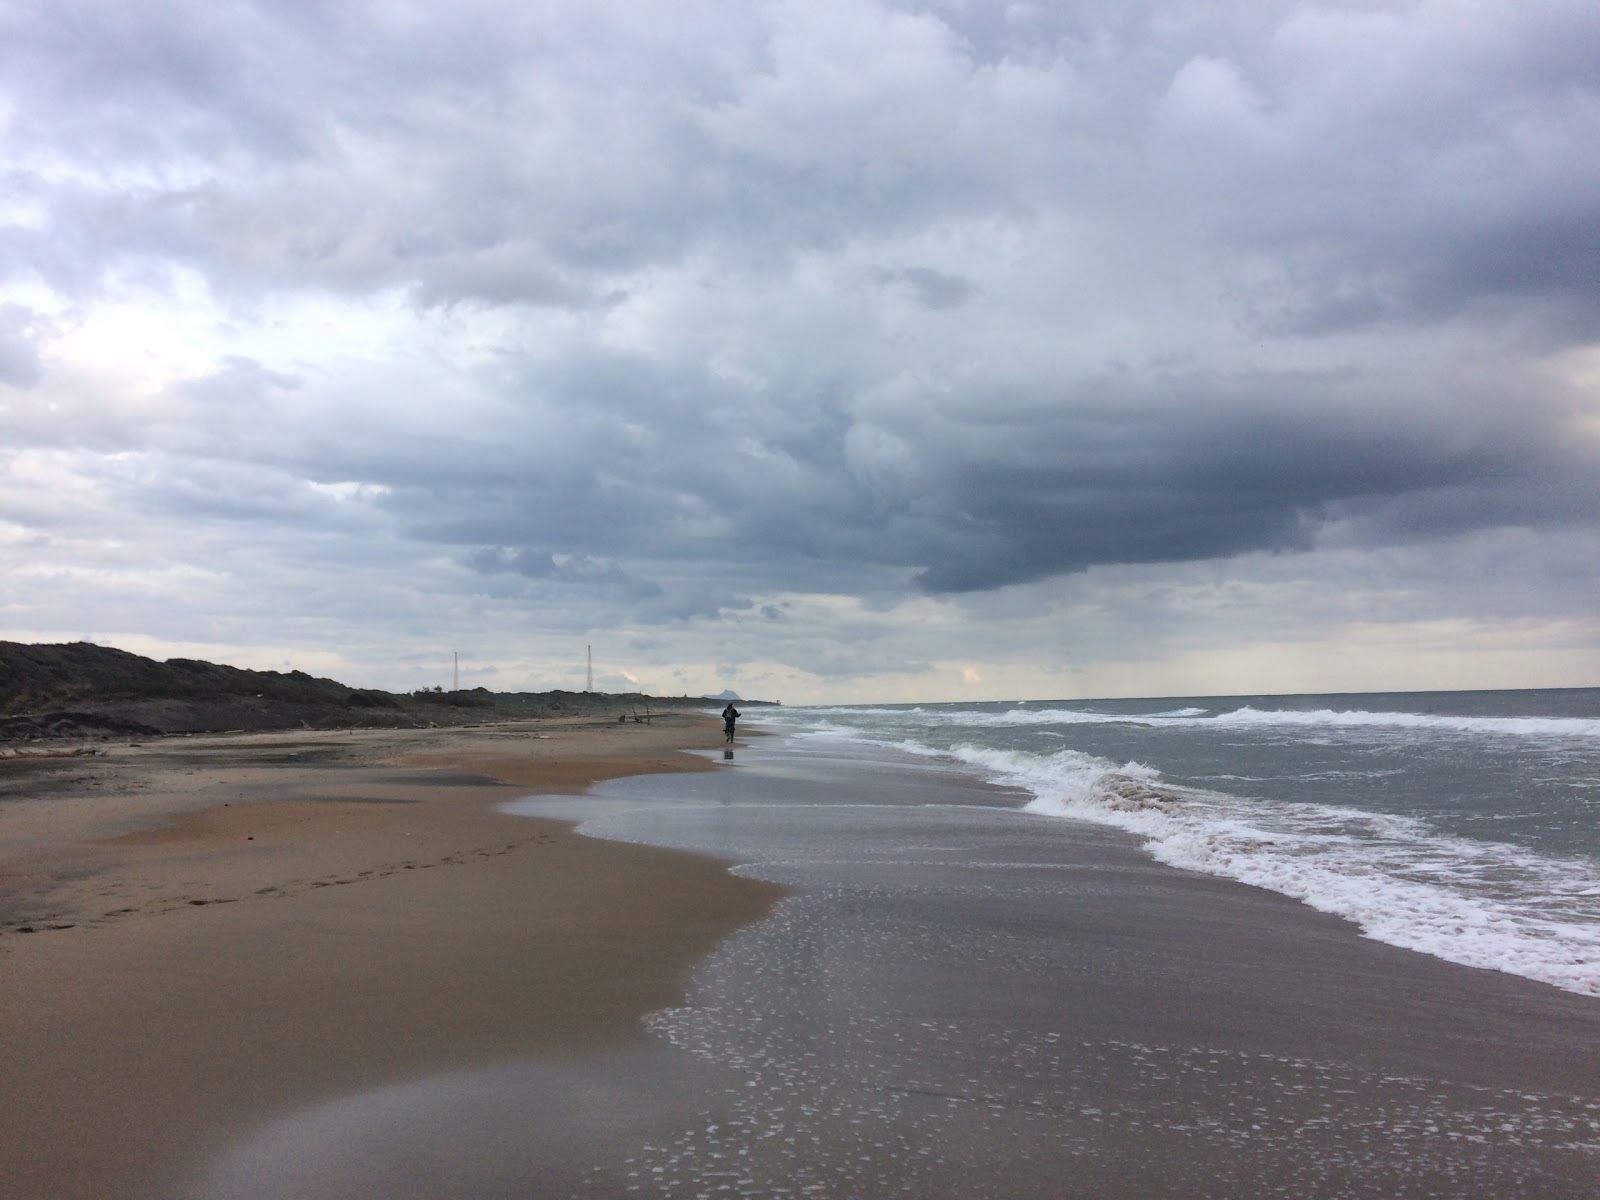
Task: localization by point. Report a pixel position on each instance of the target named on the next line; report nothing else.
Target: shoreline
(955, 998)
(227, 929)
(958, 998)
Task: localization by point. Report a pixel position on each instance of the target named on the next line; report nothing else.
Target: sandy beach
(198, 934)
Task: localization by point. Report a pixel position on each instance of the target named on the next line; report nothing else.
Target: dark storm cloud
(1183, 485)
(1010, 492)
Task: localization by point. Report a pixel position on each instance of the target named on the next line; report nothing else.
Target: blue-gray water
(1460, 824)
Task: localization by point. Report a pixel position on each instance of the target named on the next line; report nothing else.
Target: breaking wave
(1481, 904)
(1242, 717)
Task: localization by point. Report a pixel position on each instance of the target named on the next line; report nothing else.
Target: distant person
(729, 716)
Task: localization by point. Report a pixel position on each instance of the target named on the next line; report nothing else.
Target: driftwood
(54, 752)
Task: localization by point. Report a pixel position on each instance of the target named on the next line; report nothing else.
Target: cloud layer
(845, 349)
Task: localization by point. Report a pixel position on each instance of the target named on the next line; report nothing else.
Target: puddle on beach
(515, 1131)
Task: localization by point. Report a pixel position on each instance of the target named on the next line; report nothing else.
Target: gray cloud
(932, 288)
(679, 325)
(19, 352)
(582, 572)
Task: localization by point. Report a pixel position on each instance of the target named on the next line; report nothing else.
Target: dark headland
(83, 690)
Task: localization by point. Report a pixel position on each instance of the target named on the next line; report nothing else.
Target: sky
(828, 351)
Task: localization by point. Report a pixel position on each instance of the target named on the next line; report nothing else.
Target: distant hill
(79, 688)
(40, 677)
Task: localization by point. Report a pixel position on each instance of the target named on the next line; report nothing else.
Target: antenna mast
(589, 687)
(455, 681)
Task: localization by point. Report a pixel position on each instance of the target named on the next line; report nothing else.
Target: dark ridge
(79, 689)
(69, 724)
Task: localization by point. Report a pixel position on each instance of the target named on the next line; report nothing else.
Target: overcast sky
(833, 350)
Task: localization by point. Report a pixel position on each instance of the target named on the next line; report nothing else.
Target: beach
(199, 934)
(813, 969)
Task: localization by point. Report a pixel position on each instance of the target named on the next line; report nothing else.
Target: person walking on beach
(729, 716)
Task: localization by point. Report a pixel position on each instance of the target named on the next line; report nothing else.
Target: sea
(1464, 824)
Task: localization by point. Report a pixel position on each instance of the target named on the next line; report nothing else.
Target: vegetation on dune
(55, 689)
(36, 678)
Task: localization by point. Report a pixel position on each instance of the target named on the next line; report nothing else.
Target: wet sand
(200, 934)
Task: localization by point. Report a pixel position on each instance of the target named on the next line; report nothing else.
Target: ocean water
(1464, 825)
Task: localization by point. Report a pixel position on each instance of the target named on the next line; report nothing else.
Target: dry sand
(199, 933)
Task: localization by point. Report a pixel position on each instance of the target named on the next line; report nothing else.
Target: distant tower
(455, 679)
(589, 687)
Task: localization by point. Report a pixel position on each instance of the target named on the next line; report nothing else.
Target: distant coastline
(80, 690)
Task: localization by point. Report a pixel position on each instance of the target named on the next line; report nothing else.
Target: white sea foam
(1244, 717)
(1482, 904)
(827, 729)
(1569, 727)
